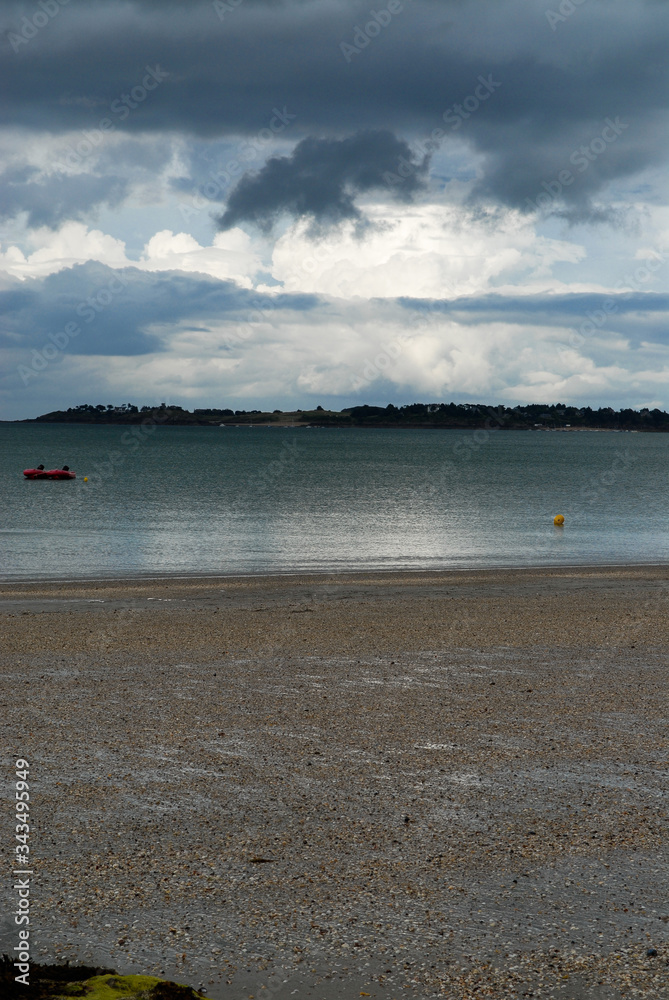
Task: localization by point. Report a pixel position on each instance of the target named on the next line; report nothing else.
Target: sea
(155, 500)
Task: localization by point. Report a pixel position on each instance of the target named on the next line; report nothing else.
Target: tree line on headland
(427, 415)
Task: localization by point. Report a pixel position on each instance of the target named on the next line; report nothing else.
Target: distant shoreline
(413, 416)
(381, 427)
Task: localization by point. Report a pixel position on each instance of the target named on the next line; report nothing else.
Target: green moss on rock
(66, 982)
(126, 988)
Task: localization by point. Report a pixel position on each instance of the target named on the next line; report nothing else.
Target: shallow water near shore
(187, 500)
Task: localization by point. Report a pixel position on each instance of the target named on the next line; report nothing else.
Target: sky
(264, 204)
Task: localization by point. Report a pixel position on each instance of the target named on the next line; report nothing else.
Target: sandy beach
(382, 785)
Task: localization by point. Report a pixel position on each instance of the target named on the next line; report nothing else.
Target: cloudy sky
(281, 203)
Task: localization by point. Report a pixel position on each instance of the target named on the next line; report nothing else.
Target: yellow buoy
(558, 519)
(85, 479)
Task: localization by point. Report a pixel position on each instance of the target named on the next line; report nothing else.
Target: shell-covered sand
(382, 785)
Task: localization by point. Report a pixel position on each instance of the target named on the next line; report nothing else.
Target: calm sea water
(241, 500)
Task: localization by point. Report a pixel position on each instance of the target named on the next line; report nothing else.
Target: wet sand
(377, 784)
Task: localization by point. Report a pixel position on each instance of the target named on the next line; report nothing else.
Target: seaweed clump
(67, 982)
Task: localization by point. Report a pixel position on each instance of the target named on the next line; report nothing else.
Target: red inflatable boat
(50, 474)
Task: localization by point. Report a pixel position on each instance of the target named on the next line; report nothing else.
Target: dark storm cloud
(321, 179)
(556, 84)
(114, 309)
